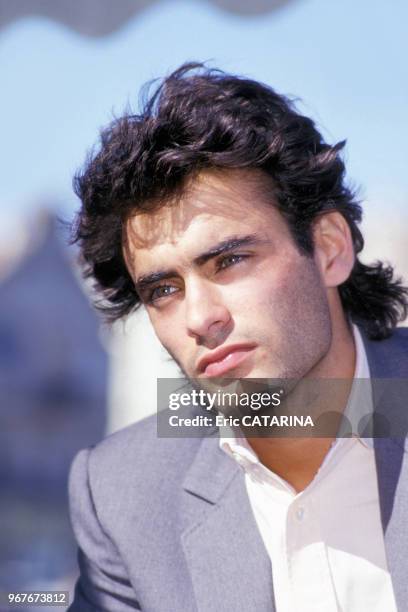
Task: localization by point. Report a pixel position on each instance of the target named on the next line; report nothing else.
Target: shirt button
(300, 513)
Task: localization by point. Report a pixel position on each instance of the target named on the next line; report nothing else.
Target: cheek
(270, 286)
(301, 309)
(292, 299)
(169, 331)
(297, 286)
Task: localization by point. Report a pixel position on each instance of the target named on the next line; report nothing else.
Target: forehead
(213, 206)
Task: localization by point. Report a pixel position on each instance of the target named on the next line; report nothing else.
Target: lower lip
(231, 361)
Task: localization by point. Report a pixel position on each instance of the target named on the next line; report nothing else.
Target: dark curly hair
(200, 118)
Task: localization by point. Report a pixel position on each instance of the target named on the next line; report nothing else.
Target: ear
(333, 248)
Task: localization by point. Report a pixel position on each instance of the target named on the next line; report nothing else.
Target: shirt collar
(359, 407)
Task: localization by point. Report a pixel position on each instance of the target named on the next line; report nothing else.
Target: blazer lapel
(229, 566)
(392, 473)
(389, 372)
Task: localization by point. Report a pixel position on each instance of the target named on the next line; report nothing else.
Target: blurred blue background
(64, 382)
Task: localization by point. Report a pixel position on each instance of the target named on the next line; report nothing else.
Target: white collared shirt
(326, 542)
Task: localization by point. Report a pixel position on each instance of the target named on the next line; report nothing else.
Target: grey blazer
(165, 525)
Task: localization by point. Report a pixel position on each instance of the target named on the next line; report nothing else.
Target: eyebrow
(233, 242)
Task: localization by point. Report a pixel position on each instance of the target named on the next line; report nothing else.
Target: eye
(160, 291)
(229, 260)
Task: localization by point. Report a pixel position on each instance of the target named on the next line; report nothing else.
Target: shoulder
(400, 335)
(140, 441)
(388, 358)
(137, 453)
(129, 469)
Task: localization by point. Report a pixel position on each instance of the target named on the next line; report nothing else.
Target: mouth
(224, 359)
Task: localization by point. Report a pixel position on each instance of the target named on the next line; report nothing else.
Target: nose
(207, 316)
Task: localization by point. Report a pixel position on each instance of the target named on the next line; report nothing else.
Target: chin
(262, 372)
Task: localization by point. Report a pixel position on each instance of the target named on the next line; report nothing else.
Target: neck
(297, 460)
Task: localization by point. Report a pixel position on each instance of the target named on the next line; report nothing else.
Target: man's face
(226, 289)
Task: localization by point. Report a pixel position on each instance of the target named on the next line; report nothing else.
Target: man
(221, 209)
